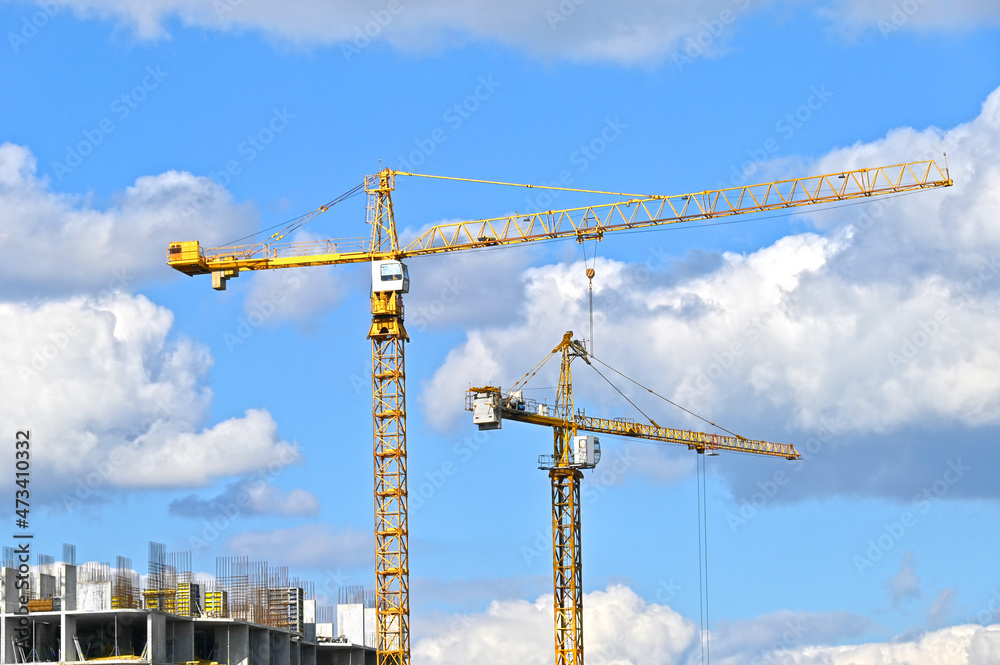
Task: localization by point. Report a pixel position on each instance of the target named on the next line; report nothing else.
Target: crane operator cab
(390, 276)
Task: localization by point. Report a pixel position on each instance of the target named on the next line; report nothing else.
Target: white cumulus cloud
(888, 17)
(629, 32)
(57, 244)
(958, 645)
(620, 627)
(112, 402)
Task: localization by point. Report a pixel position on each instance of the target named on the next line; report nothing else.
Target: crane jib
(588, 222)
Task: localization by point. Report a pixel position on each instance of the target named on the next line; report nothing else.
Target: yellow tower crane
(573, 452)
(390, 280)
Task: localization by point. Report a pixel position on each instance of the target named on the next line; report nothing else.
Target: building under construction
(250, 614)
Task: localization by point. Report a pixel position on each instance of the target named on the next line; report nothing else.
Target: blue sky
(867, 333)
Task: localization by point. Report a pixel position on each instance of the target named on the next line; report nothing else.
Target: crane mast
(567, 573)
(388, 337)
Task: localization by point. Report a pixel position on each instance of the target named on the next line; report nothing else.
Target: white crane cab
(390, 276)
(586, 451)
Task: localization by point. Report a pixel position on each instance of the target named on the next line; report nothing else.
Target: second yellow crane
(390, 280)
(572, 453)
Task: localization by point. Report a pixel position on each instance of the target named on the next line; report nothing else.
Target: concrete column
(234, 644)
(280, 648)
(307, 654)
(11, 626)
(183, 635)
(156, 637)
(66, 634)
(47, 636)
(123, 623)
(260, 647)
(222, 635)
(371, 628)
(67, 590)
(239, 644)
(351, 622)
(8, 581)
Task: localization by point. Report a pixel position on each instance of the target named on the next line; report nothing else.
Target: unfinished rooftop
(250, 614)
